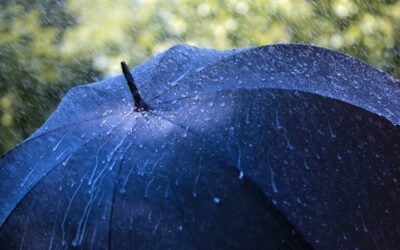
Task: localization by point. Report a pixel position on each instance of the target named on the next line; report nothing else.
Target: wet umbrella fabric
(313, 130)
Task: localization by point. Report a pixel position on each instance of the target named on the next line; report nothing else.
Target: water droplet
(241, 175)
(306, 166)
(185, 132)
(216, 200)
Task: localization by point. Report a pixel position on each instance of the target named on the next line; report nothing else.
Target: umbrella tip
(140, 105)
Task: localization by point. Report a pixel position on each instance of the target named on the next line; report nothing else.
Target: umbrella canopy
(259, 147)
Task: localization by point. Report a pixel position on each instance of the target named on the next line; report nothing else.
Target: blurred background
(47, 47)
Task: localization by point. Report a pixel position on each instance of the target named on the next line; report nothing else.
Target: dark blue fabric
(230, 137)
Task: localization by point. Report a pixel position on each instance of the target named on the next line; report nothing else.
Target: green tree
(34, 74)
(109, 31)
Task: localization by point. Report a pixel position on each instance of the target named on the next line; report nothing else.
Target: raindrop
(306, 166)
(274, 188)
(59, 142)
(216, 200)
(273, 184)
(247, 121)
(60, 155)
(111, 154)
(122, 190)
(125, 181)
(65, 162)
(107, 112)
(186, 131)
(277, 123)
(239, 162)
(332, 134)
(211, 104)
(222, 104)
(146, 194)
(103, 122)
(241, 175)
(289, 145)
(194, 193)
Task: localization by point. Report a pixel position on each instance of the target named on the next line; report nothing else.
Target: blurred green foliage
(46, 47)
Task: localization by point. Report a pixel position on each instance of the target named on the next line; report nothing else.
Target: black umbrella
(268, 147)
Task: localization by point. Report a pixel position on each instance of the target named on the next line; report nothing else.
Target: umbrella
(281, 146)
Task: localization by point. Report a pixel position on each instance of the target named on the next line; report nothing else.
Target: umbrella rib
(48, 172)
(114, 197)
(280, 89)
(302, 46)
(177, 124)
(182, 127)
(152, 134)
(218, 61)
(202, 94)
(57, 165)
(221, 90)
(102, 92)
(171, 87)
(281, 215)
(57, 129)
(112, 206)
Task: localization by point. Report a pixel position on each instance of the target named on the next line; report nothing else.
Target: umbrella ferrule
(140, 105)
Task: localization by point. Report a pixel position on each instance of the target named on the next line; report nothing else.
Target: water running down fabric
(277, 139)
